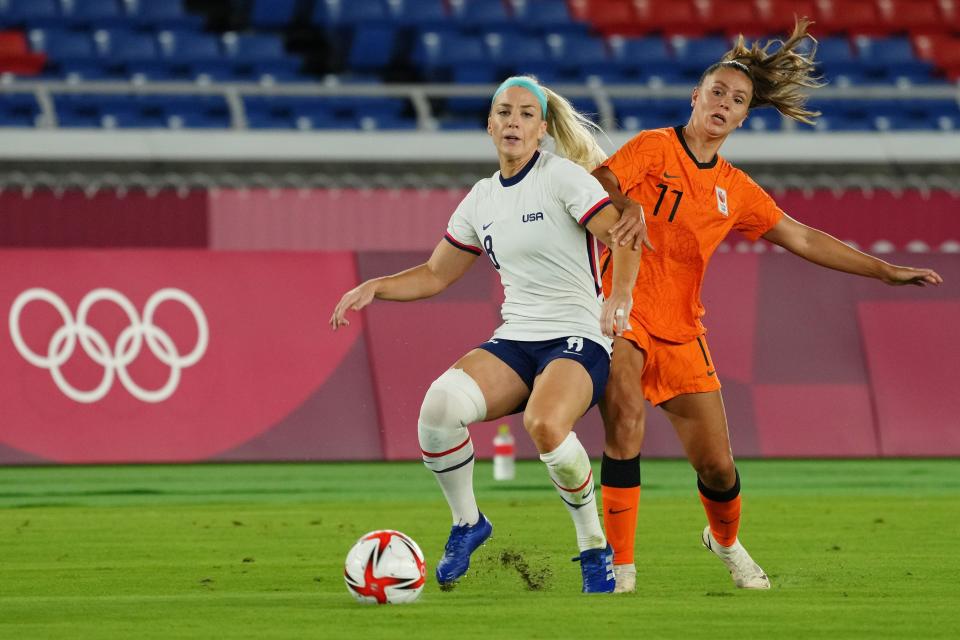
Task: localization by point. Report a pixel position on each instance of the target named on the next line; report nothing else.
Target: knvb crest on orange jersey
(722, 201)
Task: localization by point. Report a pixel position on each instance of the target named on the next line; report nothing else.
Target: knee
(546, 431)
(623, 423)
(452, 402)
(717, 472)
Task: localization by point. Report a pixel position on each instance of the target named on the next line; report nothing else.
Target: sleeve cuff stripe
(463, 247)
(594, 210)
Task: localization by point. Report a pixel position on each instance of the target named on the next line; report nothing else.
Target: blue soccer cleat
(463, 541)
(596, 566)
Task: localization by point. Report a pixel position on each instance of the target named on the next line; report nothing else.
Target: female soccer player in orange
(693, 198)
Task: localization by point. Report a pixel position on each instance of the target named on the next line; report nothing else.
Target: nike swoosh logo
(710, 373)
(616, 511)
(573, 353)
(670, 177)
(487, 225)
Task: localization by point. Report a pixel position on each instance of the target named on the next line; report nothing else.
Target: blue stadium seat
(639, 58)
(81, 69)
(187, 46)
(272, 14)
(200, 112)
(35, 14)
(580, 56)
(512, 52)
(424, 14)
(255, 46)
(549, 16)
(60, 44)
(282, 70)
(646, 113)
(96, 14)
(218, 70)
(131, 46)
(764, 119)
(438, 52)
(484, 15)
(372, 47)
(334, 13)
(694, 55)
(892, 60)
(834, 49)
(18, 110)
(168, 14)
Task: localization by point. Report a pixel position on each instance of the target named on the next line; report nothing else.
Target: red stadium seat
(912, 16)
(16, 57)
(679, 17)
(944, 51)
(778, 16)
(607, 16)
(733, 17)
(849, 17)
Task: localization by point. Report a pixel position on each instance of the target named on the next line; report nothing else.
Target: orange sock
(620, 490)
(723, 511)
(620, 505)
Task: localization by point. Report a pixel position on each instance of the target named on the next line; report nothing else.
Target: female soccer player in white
(536, 220)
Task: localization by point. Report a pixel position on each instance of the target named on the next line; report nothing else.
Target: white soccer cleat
(746, 573)
(626, 575)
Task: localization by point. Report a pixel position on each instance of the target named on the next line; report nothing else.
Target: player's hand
(631, 227)
(908, 275)
(355, 299)
(615, 314)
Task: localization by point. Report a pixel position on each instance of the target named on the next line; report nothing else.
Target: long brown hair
(778, 76)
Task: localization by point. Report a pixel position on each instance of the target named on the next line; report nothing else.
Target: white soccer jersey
(531, 227)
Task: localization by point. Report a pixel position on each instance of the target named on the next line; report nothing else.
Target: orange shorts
(672, 368)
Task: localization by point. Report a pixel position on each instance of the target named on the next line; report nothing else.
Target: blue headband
(529, 85)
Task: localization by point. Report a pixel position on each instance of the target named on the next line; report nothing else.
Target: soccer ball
(385, 567)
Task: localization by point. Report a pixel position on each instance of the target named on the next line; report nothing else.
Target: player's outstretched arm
(445, 266)
(632, 226)
(825, 250)
(615, 314)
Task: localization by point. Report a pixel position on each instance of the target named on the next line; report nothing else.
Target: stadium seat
(548, 16)
(195, 112)
(350, 13)
(609, 17)
(272, 14)
(912, 16)
(694, 55)
(512, 52)
(34, 14)
(849, 17)
(169, 14)
(186, 46)
(254, 46)
(778, 16)
(60, 44)
(126, 46)
(678, 17)
(637, 56)
(580, 56)
(423, 14)
(18, 110)
(484, 15)
(764, 119)
(733, 17)
(96, 14)
(372, 47)
(893, 60)
(437, 52)
(16, 57)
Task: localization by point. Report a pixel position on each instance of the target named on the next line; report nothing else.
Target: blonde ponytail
(572, 132)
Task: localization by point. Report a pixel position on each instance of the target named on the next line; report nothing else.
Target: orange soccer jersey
(690, 207)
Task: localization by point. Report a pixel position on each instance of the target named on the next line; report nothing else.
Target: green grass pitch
(855, 549)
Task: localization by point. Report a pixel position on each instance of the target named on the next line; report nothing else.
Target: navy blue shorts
(529, 358)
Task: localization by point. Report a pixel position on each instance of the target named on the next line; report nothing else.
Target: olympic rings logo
(126, 349)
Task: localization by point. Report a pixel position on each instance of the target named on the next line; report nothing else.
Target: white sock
(569, 468)
(456, 482)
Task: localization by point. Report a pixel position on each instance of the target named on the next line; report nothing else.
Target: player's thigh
(503, 390)
(700, 422)
(561, 394)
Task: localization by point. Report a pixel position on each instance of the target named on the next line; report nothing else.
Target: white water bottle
(504, 455)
